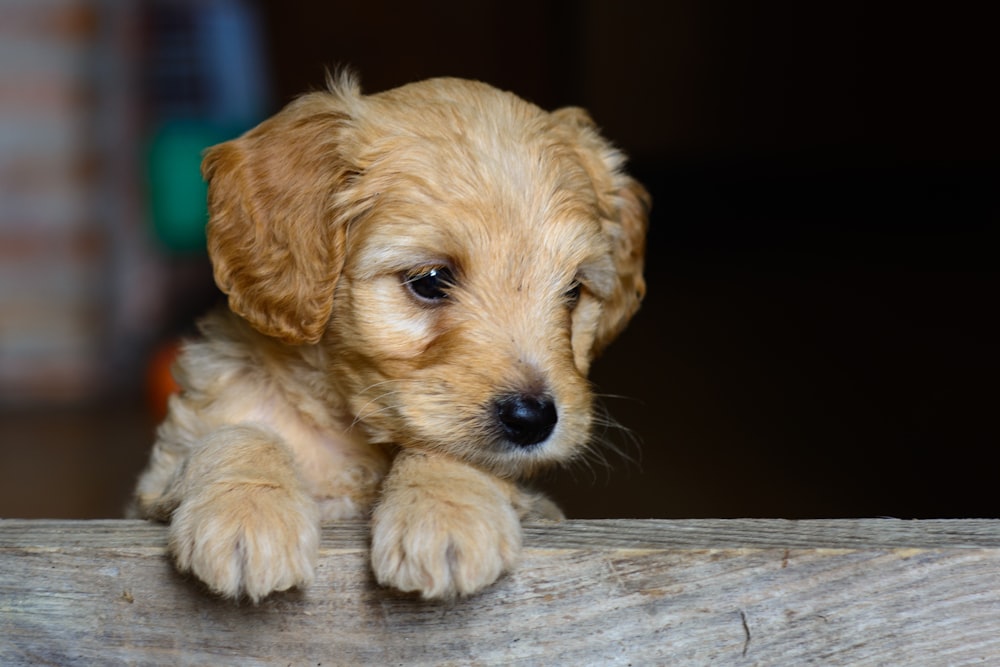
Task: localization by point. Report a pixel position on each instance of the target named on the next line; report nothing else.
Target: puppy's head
(459, 255)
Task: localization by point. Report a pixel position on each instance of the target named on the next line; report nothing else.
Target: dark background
(819, 338)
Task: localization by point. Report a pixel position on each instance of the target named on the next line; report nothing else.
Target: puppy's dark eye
(573, 293)
(430, 284)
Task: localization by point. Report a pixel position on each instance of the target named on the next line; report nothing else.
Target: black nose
(526, 420)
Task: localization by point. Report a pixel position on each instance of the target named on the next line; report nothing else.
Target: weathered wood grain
(737, 592)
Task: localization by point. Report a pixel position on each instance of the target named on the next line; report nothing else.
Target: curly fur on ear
(624, 206)
(276, 242)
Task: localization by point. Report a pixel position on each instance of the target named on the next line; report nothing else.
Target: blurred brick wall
(73, 253)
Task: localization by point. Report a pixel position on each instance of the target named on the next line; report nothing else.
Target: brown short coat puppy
(418, 282)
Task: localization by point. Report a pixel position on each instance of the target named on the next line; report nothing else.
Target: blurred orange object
(160, 383)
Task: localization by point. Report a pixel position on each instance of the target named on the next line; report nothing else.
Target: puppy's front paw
(445, 535)
(442, 551)
(247, 539)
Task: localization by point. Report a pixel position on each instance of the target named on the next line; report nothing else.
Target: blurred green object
(177, 193)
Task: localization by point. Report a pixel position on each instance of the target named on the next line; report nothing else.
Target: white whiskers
(362, 415)
(610, 442)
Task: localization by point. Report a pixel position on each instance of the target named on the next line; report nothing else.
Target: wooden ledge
(770, 592)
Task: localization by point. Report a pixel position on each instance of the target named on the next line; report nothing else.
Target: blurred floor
(72, 463)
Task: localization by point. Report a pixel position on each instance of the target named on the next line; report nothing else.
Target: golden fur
(335, 388)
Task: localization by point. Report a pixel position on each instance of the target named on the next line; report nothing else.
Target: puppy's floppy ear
(624, 207)
(627, 232)
(275, 240)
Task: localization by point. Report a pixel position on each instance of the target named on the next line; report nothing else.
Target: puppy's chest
(343, 475)
(340, 470)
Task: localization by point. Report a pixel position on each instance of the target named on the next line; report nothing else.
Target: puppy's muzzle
(526, 419)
